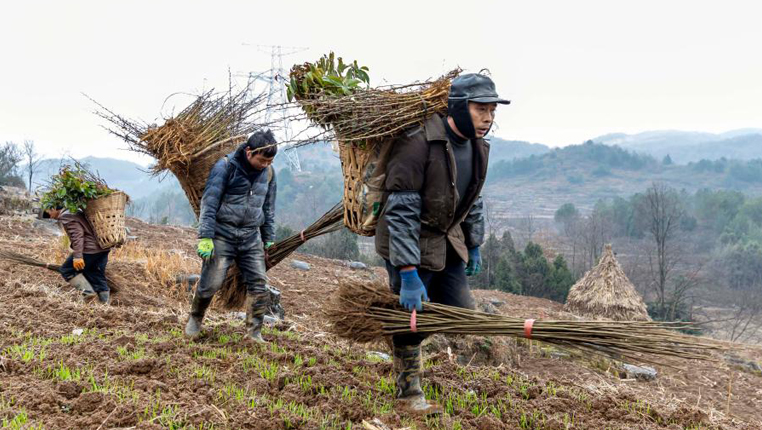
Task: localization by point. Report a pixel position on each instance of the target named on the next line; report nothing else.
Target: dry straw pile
(364, 313)
(606, 293)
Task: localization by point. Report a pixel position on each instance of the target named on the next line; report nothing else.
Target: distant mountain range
(529, 177)
(684, 147)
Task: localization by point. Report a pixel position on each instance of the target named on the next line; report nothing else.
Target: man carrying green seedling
(432, 224)
(237, 223)
(85, 269)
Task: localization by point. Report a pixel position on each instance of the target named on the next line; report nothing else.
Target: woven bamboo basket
(364, 171)
(106, 215)
(193, 175)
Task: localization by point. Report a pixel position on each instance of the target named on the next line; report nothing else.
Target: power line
(276, 79)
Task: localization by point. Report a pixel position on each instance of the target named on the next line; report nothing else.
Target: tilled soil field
(67, 365)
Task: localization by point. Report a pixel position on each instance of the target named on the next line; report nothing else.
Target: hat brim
(490, 100)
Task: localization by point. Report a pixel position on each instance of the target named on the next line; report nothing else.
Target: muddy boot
(198, 309)
(83, 285)
(410, 398)
(104, 297)
(255, 311)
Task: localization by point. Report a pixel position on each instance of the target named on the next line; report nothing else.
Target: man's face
(257, 160)
(54, 213)
(482, 116)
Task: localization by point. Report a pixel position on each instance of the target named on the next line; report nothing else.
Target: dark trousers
(249, 256)
(447, 287)
(94, 271)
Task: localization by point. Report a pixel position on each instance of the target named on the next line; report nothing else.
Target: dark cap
(475, 87)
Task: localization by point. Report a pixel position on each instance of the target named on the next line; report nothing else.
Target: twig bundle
(233, 293)
(374, 113)
(115, 282)
(330, 221)
(364, 313)
(212, 117)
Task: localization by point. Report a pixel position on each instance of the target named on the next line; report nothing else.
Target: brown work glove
(79, 264)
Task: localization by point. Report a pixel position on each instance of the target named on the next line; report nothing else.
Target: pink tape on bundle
(528, 324)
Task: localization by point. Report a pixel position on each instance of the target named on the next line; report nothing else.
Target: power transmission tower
(276, 79)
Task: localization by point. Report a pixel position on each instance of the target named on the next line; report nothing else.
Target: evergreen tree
(490, 251)
(560, 280)
(534, 271)
(506, 278)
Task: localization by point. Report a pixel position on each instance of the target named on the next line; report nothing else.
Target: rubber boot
(409, 368)
(198, 309)
(255, 312)
(104, 297)
(83, 285)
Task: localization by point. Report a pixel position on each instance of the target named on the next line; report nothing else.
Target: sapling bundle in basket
(76, 189)
(365, 312)
(191, 142)
(365, 121)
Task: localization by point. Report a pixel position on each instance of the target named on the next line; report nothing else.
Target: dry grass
(606, 293)
(160, 267)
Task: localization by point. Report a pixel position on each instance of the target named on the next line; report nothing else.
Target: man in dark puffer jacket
(237, 222)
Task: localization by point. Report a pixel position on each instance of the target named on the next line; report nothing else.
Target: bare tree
(9, 160)
(594, 232)
(527, 227)
(32, 159)
(662, 211)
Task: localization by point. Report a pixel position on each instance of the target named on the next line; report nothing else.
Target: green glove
(269, 244)
(205, 248)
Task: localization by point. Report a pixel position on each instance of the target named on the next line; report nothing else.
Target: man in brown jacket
(85, 269)
(432, 224)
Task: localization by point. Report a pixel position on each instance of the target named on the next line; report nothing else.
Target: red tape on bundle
(528, 324)
(413, 322)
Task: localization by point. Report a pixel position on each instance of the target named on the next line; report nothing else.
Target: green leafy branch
(329, 76)
(72, 188)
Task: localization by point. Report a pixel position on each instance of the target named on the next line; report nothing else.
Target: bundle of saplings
(72, 188)
(190, 142)
(337, 98)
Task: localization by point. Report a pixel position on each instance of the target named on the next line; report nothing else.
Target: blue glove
(474, 262)
(412, 290)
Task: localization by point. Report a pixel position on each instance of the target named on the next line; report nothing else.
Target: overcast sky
(574, 69)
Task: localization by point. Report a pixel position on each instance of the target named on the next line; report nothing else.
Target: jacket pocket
(433, 248)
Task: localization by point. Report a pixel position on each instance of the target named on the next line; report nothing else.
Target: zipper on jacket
(451, 168)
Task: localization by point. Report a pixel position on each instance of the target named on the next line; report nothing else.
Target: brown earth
(130, 367)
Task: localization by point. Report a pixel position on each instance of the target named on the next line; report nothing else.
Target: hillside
(583, 174)
(67, 365)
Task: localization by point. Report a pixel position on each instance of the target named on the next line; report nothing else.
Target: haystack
(606, 293)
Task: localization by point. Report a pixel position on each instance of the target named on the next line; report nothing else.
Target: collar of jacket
(241, 163)
(435, 130)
